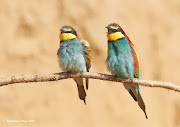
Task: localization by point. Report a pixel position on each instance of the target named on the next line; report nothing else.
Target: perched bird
(74, 56)
(122, 60)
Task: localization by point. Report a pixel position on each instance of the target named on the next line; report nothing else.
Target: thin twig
(65, 75)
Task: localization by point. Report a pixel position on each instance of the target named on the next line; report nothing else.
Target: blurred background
(29, 40)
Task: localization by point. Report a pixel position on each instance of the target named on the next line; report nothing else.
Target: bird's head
(67, 33)
(115, 32)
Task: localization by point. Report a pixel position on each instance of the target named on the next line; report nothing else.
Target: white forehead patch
(68, 29)
(114, 27)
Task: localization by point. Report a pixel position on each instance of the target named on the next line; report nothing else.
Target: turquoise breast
(120, 59)
(71, 56)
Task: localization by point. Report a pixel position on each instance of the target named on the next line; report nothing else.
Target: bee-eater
(74, 56)
(122, 60)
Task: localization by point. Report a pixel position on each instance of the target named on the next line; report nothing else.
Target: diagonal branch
(65, 75)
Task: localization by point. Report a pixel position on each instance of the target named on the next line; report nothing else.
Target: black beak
(107, 27)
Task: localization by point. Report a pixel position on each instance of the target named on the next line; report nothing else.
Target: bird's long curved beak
(107, 27)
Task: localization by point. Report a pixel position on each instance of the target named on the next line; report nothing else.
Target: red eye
(114, 30)
(111, 30)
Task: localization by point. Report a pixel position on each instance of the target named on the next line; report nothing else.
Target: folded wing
(88, 57)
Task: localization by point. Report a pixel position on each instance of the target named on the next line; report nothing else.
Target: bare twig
(64, 75)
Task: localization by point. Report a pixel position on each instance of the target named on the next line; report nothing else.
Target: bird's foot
(56, 79)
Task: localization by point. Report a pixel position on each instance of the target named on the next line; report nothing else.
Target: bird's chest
(69, 50)
(120, 61)
(71, 58)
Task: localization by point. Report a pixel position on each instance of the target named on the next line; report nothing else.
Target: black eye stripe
(70, 32)
(122, 32)
(115, 30)
(73, 32)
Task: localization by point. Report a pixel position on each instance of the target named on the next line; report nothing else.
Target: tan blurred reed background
(29, 41)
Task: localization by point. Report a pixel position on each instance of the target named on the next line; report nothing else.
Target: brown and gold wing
(87, 55)
(135, 56)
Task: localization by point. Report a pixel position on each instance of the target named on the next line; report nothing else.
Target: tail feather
(141, 104)
(87, 83)
(81, 90)
(134, 92)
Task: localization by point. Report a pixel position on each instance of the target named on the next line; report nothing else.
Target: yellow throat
(114, 36)
(66, 36)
